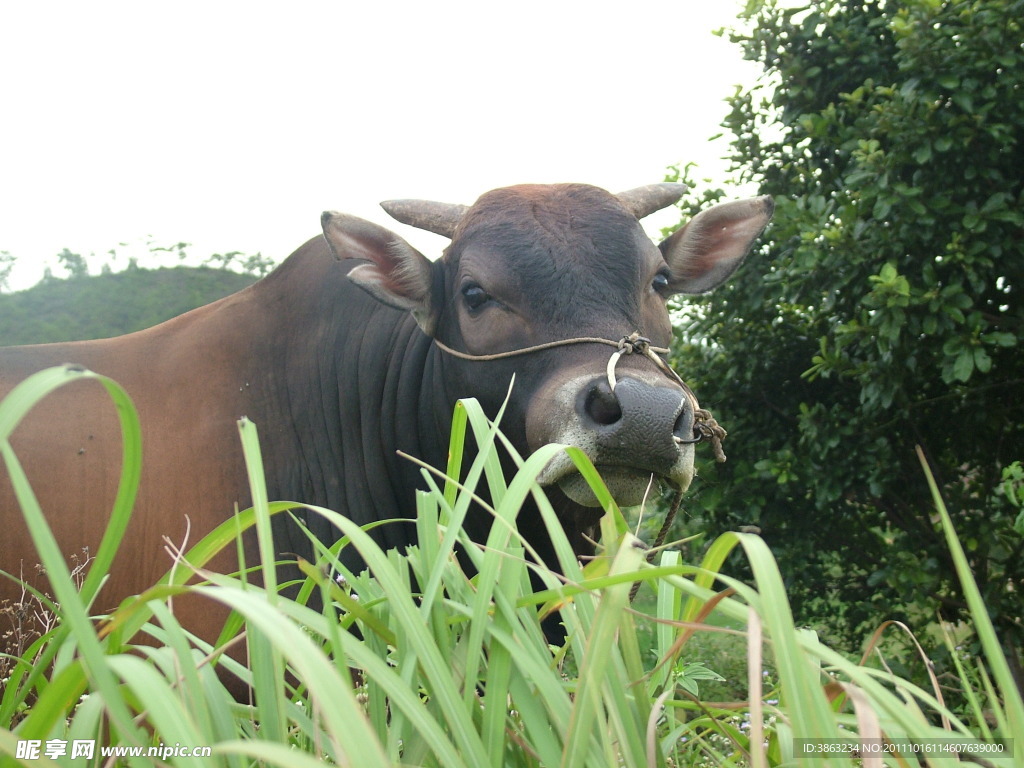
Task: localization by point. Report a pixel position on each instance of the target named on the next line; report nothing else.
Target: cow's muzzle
(632, 432)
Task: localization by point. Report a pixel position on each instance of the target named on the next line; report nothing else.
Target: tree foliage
(884, 310)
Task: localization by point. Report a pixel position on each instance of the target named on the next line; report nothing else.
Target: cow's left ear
(397, 275)
(704, 253)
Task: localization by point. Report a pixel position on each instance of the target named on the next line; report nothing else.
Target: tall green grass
(449, 665)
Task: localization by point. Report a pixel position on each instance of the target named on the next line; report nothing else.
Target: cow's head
(531, 264)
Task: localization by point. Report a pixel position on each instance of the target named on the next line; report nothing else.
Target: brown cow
(333, 356)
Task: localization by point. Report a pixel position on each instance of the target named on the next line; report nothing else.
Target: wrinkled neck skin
(373, 414)
(359, 382)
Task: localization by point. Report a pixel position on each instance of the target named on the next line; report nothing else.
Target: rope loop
(640, 345)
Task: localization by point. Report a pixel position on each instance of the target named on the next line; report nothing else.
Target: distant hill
(100, 306)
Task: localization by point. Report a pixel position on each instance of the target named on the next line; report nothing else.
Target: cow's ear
(398, 274)
(704, 253)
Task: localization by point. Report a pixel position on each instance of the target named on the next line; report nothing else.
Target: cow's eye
(660, 283)
(474, 296)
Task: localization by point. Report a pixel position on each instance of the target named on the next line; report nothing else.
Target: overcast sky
(232, 125)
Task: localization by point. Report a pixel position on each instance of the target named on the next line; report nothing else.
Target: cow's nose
(638, 416)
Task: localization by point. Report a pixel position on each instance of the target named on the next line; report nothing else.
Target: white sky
(232, 125)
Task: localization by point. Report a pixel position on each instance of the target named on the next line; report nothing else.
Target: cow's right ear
(397, 275)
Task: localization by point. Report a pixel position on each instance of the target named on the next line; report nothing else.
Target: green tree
(255, 264)
(74, 263)
(883, 311)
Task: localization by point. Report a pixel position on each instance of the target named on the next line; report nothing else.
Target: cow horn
(644, 201)
(439, 218)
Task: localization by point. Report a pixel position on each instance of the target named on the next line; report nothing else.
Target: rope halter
(705, 427)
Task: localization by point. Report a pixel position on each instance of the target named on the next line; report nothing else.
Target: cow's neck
(360, 383)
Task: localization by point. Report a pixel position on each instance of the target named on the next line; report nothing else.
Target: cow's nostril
(602, 406)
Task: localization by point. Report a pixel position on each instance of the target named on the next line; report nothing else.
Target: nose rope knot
(705, 426)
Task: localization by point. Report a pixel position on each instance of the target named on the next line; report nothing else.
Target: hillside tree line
(75, 304)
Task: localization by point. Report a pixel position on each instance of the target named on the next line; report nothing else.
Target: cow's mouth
(631, 432)
(629, 486)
